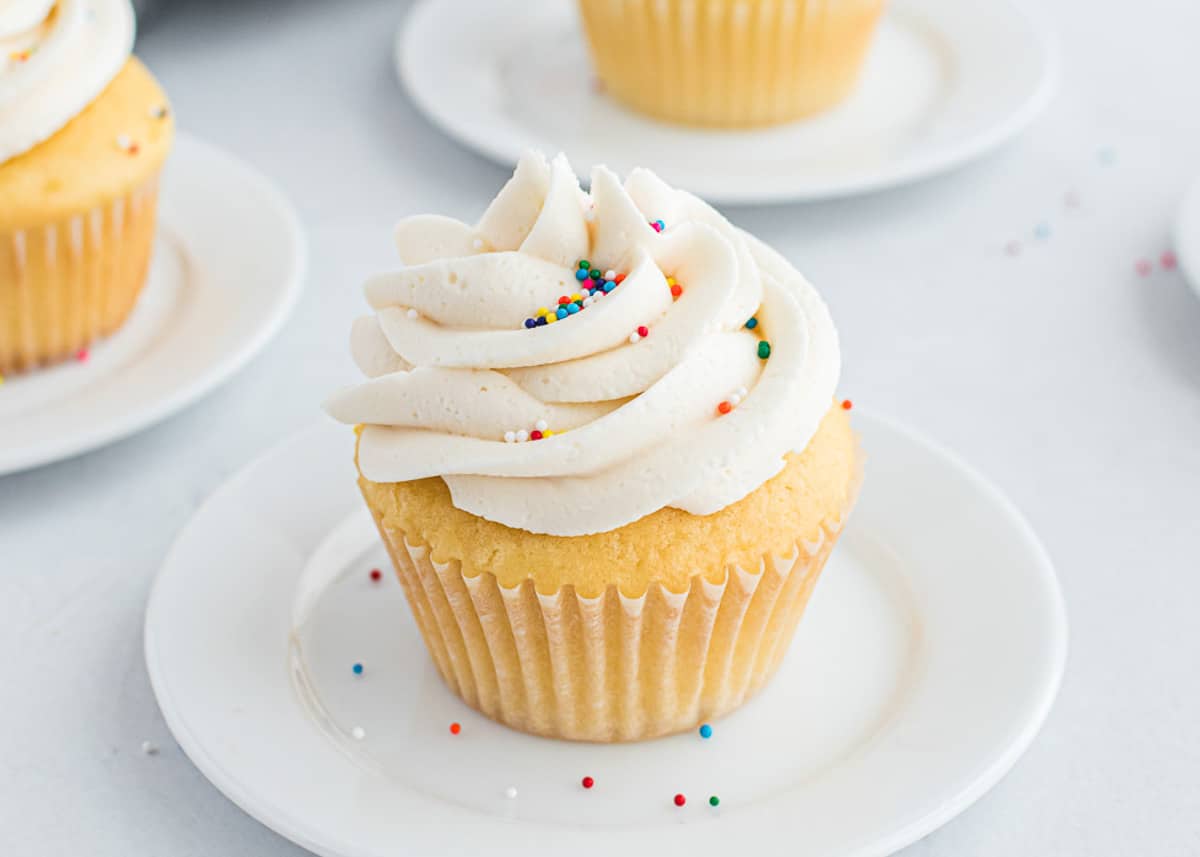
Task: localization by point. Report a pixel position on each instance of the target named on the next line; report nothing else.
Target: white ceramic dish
(930, 656)
(947, 81)
(1187, 236)
(227, 269)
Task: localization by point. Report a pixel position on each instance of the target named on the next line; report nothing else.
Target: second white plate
(946, 81)
(929, 657)
(227, 269)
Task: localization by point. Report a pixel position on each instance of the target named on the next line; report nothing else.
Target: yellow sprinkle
(542, 310)
(670, 281)
(550, 319)
(547, 433)
(576, 297)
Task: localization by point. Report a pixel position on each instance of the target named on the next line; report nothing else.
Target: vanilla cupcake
(729, 63)
(84, 132)
(599, 441)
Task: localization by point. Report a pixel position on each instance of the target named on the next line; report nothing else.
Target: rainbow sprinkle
(594, 283)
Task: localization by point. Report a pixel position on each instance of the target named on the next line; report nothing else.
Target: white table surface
(1064, 375)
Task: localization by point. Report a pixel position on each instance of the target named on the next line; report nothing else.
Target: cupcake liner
(612, 667)
(66, 283)
(729, 63)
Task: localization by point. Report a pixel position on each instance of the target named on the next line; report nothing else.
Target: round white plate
(227, 269)
(1187, 236)
(946, 81)
(929, 658)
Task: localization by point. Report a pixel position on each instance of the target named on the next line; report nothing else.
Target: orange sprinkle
(620, 279)
(455, 728)
(847, 405)
(19, 56)
(676, 290)
(724, 408)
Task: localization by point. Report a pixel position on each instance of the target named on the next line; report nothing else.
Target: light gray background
(1070, 380)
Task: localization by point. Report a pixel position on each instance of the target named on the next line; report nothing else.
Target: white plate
(930, 656)
(227, 269)
(946, 81)
(1187, 236)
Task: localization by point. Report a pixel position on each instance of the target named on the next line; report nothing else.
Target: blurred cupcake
(598, 442)
(729, 63)
(84, 132)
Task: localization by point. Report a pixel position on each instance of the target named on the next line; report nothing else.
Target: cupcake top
(56, 56)
(576, 361)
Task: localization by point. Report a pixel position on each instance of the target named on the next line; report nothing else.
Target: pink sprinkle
(1169, 260)
(1013, 248)
(82, 355)
(1144, 267)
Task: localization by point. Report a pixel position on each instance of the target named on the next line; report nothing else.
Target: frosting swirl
(56, 56)
(691, 416)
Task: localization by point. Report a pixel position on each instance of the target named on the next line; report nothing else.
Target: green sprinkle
(752, 323)
(714, 801)
(585, 264)
(764, 349)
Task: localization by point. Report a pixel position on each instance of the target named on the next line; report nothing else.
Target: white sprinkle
(511, 792)
(522, 436)
(634, 337)
(510, 437)
(149, 748)
(477, 243)
(123, 141)
(359, 733)
(735, 400)
(610, 275)
(541, 425)
(412, 313)
(741, 391)
(589, 300)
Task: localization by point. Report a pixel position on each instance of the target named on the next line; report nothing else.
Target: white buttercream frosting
(56, 56)
(456, 380)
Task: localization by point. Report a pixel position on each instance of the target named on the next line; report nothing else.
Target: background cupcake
(729, 62)
(600, 448)
(84, 132)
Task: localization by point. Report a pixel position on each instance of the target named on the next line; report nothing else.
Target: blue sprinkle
(581, 274)
(561, 312)
(529, 322)
(609, 286)
(572, 308)
(541, 321)
(357, 669)
(705, 731)
(751, 323)
(1041, 231)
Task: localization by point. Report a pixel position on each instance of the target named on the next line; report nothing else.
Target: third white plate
(946, 81)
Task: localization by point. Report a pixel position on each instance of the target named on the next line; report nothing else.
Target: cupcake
(599, 442)
(729, 63)
(84, 132)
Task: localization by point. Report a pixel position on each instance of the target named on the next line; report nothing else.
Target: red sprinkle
(376, 574)
(676, 290)
(535, 435)
(680, 800)
(620, 279)
(1169, 261)
(588, 782)
(724, 408)
(455, 728)
(643, 331)
(564, 300)
(1144, 267)
(847, 405)
(82, 355)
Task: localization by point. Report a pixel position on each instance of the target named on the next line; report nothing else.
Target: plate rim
(944, 159)
(284, 823)
(226, 364)
(1187, 244)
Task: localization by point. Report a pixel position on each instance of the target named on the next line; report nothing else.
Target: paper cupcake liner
(613, 667)
(726, 62)
(67, 283)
